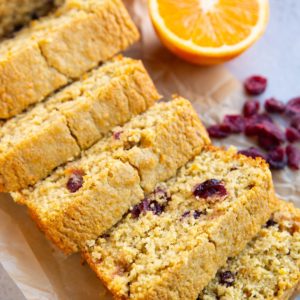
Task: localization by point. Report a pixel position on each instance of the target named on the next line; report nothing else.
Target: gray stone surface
(276, 55)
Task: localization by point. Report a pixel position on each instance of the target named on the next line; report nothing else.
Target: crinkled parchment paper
(39, 270)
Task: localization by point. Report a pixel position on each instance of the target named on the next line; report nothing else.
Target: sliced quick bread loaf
(59, 48)
(15, 13)
(268, 268)
(171, 244)
(83, 199)
(39, 140)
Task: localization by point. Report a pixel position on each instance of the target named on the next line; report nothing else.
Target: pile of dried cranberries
(276, 145)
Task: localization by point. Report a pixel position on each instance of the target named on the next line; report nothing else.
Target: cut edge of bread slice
(269, 266)
(115, 174)
(174, 251)
(53, 132)
(60, 48)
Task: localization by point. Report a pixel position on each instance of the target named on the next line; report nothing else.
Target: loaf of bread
(83, 199)
(171, 244)
(59, 48)
(268, 268)
(55, 131)
(15, 13)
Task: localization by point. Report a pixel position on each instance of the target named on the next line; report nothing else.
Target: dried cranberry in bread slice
(171, 244)
(53, 132)
(269, 266)
(83, 199)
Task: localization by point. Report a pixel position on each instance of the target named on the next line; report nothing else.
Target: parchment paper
(39, 270)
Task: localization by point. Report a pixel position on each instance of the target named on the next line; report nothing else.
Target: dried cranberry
(236, 123)
(255, 85)
(259, 118)
(273, 105)
(252, 121)
(270, 135)
(271, 130)
(268, 143)
(293, 107)
(292, 135)
(75, 181)
(135, 211)
(185, 214)
(277, 158)
(218, 131)
(226, 278)
(156, 208)
(143, 206)
(252, 152)
(117, 135)
(147, 205)
(293, 154)
(295, 123)
(250, 129)
(270, 223)
(198, 213)
(210, 188)
(251, 107)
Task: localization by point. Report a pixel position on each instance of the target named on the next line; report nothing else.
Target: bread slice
(15, 13)
(83, 199)
(268, 268)
(60, 48)
(37, 141)
(171, 244)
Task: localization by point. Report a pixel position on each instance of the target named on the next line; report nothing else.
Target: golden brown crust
(76, 124)
(37, 155)
(90, 215)
(130, 93)
(104, 29)
(88, 258)
(47, 59)
(269, 266)
(224, 237)
(134, 164)
(23, 83)
(52, 236)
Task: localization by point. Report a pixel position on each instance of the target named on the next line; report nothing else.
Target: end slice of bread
(83, 199)
(171, 245)
(269, 266)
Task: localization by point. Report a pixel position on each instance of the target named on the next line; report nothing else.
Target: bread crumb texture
(83, 199)
(59, 48)
(172, 244)
(268, 268)
(53, 132)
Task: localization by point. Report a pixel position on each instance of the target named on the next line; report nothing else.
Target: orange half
(209, 31)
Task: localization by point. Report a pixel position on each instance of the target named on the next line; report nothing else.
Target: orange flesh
(227, 22)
